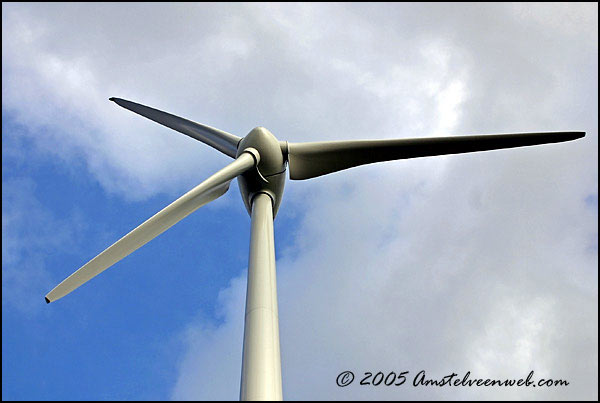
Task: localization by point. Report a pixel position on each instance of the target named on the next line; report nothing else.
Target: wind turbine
(260, 162)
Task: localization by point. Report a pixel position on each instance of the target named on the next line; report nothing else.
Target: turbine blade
(222, 141)
(205, 192)
(309, 160)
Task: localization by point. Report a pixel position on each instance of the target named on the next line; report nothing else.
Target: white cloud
(30, 232)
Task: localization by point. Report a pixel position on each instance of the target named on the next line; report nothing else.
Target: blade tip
(575, 135)
(47, 300)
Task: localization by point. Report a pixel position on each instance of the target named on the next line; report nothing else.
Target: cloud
(459, 279)
(214, 347)
(62, 63)
(481, 263)
(484, 263)
(30, 234)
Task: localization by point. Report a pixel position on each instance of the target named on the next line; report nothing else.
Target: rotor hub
(269, 176)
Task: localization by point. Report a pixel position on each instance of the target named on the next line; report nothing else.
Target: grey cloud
(479, 262)
(484, 262)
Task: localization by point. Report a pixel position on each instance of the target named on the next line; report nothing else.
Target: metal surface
(261, 362)
(222, 141)
(210, 189)
(269, 175)
(309, 160)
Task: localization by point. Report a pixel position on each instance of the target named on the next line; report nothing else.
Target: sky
(484, 263)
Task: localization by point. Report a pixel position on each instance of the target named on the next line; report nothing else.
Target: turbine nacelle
(269, 175)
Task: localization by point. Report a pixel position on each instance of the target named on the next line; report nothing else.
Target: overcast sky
(483, 262)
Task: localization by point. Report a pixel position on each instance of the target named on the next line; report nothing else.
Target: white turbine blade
(222, 141)
(309, 160)
(205, 192)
